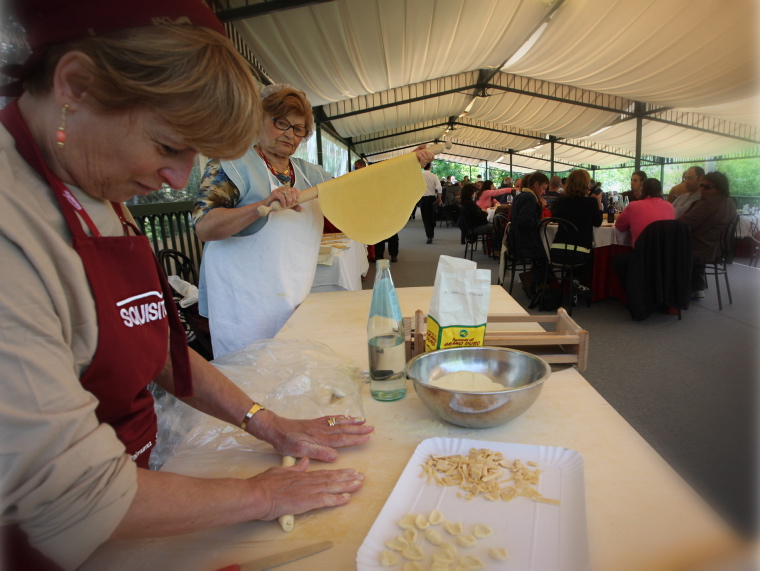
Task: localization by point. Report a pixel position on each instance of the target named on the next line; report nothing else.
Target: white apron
(254, 283)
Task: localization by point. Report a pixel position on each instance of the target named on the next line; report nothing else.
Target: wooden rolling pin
(287, 522)
(313, 192)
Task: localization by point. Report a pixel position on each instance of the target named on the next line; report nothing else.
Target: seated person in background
(523, 229)
(596, 189)
(475, 218)
(485, 196)
(506, 182)
(551, 195)
(637, 180)
(583, 210)
(677, 191)
(555, 187)
(451, 192)
(707, 218)
(691, 180)
(638, 216)
(651, 207)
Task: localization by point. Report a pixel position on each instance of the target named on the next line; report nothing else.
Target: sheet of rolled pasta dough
(373, 203)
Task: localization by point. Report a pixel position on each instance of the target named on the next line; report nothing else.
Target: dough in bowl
(467, 381)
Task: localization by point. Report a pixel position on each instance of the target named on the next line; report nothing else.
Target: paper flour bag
(459, 308)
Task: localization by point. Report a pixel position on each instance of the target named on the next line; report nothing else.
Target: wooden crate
(567, 345)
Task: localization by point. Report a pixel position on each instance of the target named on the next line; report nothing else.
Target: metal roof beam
(436, 126)
(558, 140)
(396, 103)
(261, 8)
(561, 93)
(720, 127)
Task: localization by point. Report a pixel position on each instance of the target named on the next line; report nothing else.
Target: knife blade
(285, 557)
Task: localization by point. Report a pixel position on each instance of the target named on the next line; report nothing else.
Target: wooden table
(641, 515)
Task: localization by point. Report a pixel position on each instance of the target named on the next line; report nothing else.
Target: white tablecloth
(607, 235)
(346, 270)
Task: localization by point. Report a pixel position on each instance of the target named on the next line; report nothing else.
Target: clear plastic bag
(294, 378)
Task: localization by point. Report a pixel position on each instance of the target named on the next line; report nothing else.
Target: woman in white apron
(256, 271)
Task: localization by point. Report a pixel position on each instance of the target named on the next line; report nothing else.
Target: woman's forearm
(213, 393)
(170, 504)
(221, 223)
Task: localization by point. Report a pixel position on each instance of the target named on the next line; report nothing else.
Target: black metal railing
(168, 225)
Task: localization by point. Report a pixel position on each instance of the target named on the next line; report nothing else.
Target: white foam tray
(538, 536)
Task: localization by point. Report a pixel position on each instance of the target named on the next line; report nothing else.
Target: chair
(500, 222)
(567, 266)
(471, 239)
(510, 260)
(719, 266)
(659, 271)
(176, 263)
(449, 214)
(754, 240)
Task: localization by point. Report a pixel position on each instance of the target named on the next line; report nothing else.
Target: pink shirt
(642, 213)
(485, 197)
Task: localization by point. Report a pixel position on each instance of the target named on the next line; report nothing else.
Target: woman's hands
(309, 438)
(286, 196)
(423, 156)
(283, 491)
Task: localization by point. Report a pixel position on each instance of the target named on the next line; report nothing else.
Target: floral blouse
(216, 190)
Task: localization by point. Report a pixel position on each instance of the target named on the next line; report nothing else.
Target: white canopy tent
(602, 82)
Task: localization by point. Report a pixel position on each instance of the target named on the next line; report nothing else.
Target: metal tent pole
(639, 109)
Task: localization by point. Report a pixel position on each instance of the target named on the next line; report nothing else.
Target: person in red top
(643, 212)
(639, 215)
(115, 100)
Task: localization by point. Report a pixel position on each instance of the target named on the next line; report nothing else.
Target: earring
(60, 136)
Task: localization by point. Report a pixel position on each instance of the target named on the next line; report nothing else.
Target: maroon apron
(133, 302)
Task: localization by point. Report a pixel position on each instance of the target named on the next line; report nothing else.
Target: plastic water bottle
(385, 339)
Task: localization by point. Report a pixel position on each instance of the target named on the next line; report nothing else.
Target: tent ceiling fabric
(390, 74)
(348, 48)
(676, 53)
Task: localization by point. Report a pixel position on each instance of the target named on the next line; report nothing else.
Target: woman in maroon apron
(77, 143)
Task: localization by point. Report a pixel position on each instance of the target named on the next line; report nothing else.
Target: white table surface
(640, 514)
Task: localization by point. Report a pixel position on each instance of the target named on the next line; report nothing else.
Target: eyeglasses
(283, 125)
(689, 178)
(706, 186)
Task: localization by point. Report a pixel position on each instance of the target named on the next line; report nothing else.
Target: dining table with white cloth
(340, 266)
(640, 514)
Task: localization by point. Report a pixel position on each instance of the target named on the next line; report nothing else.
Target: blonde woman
(117, 99)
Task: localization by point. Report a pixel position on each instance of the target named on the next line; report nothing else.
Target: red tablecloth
(604, 282)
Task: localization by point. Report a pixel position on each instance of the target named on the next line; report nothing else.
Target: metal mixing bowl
(522, 375)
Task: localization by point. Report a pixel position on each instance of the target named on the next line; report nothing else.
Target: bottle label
(438, 337)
